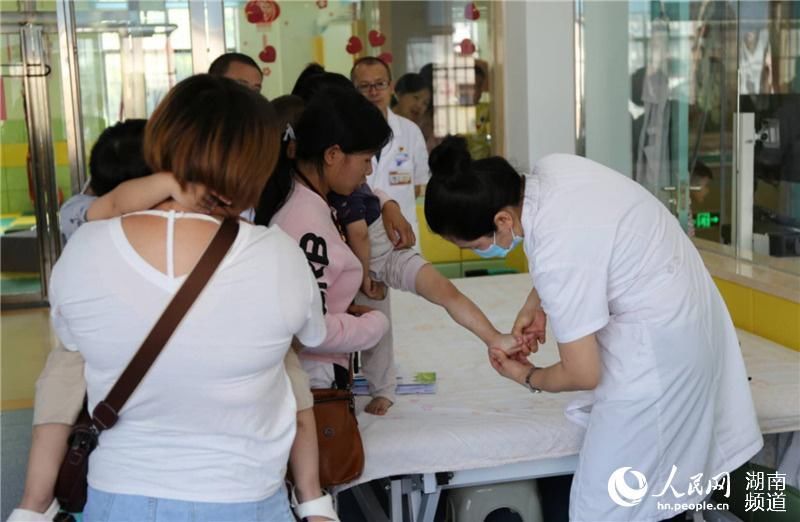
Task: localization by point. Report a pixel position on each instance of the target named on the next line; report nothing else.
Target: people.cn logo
(622, 494)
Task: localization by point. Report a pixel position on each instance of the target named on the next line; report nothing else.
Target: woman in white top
(207, 433)
(637, 318)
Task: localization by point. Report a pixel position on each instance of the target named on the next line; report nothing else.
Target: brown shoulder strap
(105, 414)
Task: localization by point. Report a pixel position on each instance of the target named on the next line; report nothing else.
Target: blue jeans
(114, 507)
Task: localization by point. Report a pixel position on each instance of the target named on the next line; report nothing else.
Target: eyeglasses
(378, 86)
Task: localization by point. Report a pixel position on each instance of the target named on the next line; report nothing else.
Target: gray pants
(377, 363)
(397, 269)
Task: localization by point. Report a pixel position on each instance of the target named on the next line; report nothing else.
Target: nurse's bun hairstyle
(463, 196)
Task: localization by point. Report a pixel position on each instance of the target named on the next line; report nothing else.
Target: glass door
(657, 98)
(34, 170)
(708, 99)
(129, 54)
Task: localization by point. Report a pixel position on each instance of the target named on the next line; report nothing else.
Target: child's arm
(304, 462)
(437, 289)
(358, 240)
(48, 447)
(149, 191)
(304, 457)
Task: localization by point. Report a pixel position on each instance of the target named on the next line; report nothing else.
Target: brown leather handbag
(341, 453)
(70, 488)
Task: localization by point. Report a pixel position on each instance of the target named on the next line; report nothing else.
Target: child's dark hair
(117, 156)
(463, 196)
(335, 116)
(221, 64)
(288, 109)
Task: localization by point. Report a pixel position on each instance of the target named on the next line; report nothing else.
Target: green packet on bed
(421, 378)
(407, 384)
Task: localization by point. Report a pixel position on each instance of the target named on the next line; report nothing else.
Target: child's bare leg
(377, 363)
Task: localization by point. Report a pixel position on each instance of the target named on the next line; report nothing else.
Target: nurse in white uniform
(637, 318)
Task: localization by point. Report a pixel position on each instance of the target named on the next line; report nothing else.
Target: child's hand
(198, 198)
(512, 345)
(359, 310)
(373, 289)
(399, 230)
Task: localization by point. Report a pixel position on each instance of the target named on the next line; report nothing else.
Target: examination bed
(480, 428)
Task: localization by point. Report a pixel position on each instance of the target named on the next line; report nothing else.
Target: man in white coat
(401, 168)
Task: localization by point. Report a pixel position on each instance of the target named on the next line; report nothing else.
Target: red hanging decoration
(268, 55)
(262, 11)
(354, 45)
(471, 11)
(253, 13)
(385, 57)
(467, 47)
(376, 38)
(322, 4)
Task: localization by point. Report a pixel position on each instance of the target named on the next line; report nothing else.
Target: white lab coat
(403, 165)
(607, 258)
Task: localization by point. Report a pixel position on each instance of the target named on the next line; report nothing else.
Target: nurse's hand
(399, 230)
(513, 367)
(530, 326)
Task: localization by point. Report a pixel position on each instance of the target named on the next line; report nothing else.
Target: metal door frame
(34, 71)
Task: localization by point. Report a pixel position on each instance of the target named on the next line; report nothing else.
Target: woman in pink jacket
(331, 150)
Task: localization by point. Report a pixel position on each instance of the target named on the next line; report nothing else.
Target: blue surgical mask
(496, 250)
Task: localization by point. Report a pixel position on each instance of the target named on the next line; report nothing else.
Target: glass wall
(449, 42)
(699, 102)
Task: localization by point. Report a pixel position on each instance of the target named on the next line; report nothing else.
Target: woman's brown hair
(213, 131)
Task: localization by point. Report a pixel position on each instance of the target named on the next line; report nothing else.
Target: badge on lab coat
(399, 178)
(400, 163)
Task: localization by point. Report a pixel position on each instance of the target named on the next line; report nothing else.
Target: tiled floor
(16, 442)
(25, 341)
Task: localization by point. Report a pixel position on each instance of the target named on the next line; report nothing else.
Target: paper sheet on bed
(478, 419)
